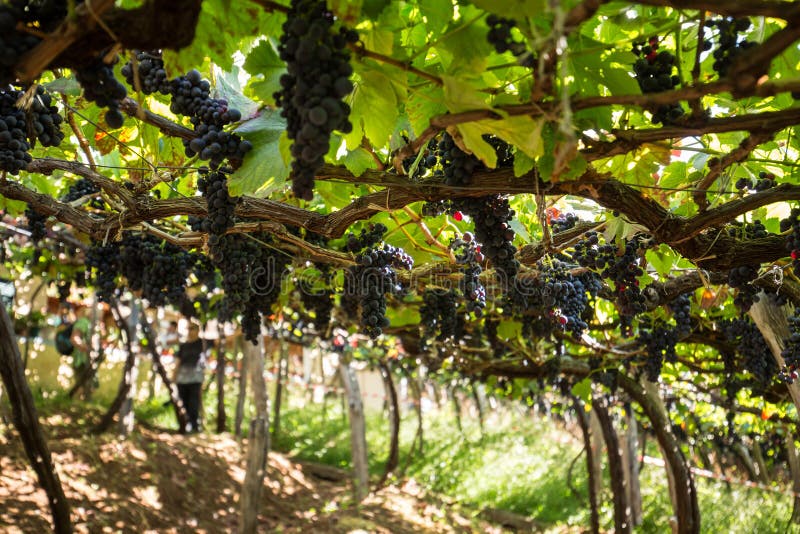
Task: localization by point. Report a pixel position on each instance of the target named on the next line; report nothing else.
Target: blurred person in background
(190, 374)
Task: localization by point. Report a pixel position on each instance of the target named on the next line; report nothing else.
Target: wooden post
(358, 430)
(258, 442)
(758, 456)
(616, 469)
(597, 443)
(125, 381)
(158, 366)
(773, 324)
(26, 421)
(592, 484)
(456, 409)
(280, 377)
(632, 462)
(126, 415)
(794, 469)
(393, 459)
(221, 416)
(244, 364)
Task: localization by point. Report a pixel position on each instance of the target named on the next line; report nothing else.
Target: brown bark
(686, 509)
(26, 421)
(616, 469)
(244, 364)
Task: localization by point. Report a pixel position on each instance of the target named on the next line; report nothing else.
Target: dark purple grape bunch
(654, 73)
(102, 87)
(314, 87)
(149, 68)
(730, 41)
(501, 38)
(791, 227)
(469, 258)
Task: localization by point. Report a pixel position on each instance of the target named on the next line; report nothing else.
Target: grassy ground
(519, 463)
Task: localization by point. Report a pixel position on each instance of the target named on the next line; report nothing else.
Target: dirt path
(160, 482)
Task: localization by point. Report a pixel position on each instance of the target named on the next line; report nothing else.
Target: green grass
(520, 463)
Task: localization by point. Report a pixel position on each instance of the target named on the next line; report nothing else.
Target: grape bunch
(742, 278)
(14, 145)
(792, 225)
(191, 97)
(556, 299)
(791, 351)
(83, 188)
(103, 261)
(756, 355)
(659, 343)
(492, 217)
(43, 120)
(313, 89)
(373, 277)
(681, 308)
(214, 187)
(320, 301)
(236, 257)
(500, 38)
(367, 238)
(563, 222)
(36, 224)
(13, 42)
(755, 230)
(151, 73)
(765, 181)
(439, 315)
(469, 257)
(653, 72)
(426, 164)
(730, 44)
(155, 267)
(101, 87)
(619, 266)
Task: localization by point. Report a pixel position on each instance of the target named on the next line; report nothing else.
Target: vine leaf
(465, 49)
(227, 86)
(513, 9)
(373, 106)
(264, 169)
(437, 13)
(266, 67)
(357, 161)
(583, 390)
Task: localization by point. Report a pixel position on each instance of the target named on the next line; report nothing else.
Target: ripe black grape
(681, 309)
(14, 145)
(102, 87)
(103, 261)
(439, 315)
(791, 351)
(214, 187)
(793, 237)
(36, 224)
(564, 222)
(653, 71)
(469, 257)
(620, 266)
(730, 44)
(756, 355)
(317, 79)
(741, 278)
(500, 38)
(43, 119)
(150, 70)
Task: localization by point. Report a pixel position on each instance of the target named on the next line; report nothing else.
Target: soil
(162, 482)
